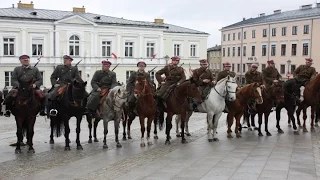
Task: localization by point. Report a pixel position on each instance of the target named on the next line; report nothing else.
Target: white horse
(112, 110)
(214, 105)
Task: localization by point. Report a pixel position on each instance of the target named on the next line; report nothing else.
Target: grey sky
(204, 15)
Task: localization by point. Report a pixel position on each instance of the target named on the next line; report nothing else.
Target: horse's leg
(66, 133)
(253, 121)
(238, 117)
(298, 111)
(210, 118)
(168, 127)
(51, 126)
(182, 123)
(312, 118)
(260, 122)
(149, 122)
(278, 117)
(142, 129)
(266, 116)
(19, 122)
(30, 134)
(304, 110)
(78, 130)
(130, 120)
(178, 122)
(290, 110)
(105, 132)
(116, 131)
(215, 120)
(95, 126)
(155, 132)
(229, 122)
(187, 123)
(124, 124)
(89, 119)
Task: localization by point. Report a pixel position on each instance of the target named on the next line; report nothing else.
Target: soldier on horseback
(131, 83)
(102, 81)
(270, 74)
(24, 73)
(174, 76)
(304, 73)
(61, 77)
(204, 77)
(252, 76)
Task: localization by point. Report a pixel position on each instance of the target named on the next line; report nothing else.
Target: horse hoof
(31, 151)
(105, 146)
(18, 151)
(150, 144)
(184, 141)
(90, 141)
(167, 142)
(155, 137)
(280, 131)
(79, 147)
(215, 139)
(260, 134)
(96, 140)
(230, 136)
(178, 135)
(269, 134)
(238, 136)
(67, 148)
(124, 138)
(305, 130)
(210, 140)
(129, 137)
(51, 141)
(188, 134)
(119, 145)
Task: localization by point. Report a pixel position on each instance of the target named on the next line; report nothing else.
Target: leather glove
(34, 86)
(56, 85)
(99, 89)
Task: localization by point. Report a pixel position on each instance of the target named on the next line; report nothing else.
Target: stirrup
(53, 112)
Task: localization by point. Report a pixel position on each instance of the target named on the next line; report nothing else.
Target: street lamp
(289, 65)
(167, 59)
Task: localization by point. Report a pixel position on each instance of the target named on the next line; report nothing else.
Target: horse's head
(118, 96)
(253, 91)
(25, 89)
(231, 88)
(78, 91)
(277, 91)
(191, 90)
(141, 86)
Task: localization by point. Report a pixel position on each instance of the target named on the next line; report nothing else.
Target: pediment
(76, 19)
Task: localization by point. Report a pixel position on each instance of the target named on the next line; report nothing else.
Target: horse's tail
(25, 128)
(57, 125)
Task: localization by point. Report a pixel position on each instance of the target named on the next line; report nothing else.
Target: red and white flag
(114, 55)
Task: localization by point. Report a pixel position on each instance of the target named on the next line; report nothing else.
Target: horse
(236, 108)
(25, 109)
(291, 92)
(70, 104)
(177, 103)
(310, 96)
(1, 101)
(112, 109)
(271, 95)
(225, 89)
(146, 107)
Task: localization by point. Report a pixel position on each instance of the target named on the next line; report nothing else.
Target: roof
(215, 48)
(56, 15)
(287, 15)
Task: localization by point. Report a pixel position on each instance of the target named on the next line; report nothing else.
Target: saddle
(62, 90)
(103, 94)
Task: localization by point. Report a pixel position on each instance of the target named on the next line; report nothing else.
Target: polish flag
(114, 55)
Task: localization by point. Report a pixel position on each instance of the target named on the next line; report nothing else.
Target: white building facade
(91, 38)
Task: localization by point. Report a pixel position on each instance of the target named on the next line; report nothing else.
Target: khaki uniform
(252, 77)
(131, 83)
(173, 75)
(269, 74)
(62, 75)
(304, 73)
(225, 73)
(103, 80)
(199, 75)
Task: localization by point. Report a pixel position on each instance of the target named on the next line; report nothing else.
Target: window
(264, 50)
(294, 30)
(8, 46)
(239, 35)
(234, 36)
(176, 50)
(274, 31)
(74, 46)
(128, 73)
(228, 51)
(224, 52)
(273, 50)
(228, 37)
(293, 49)
(306, 29)
(193, 48)
(152, 75)
(263, 66)
(150, 49)
(37, 47)
(305, 49)
(253, 50)
(282, 69)
(106, 48)
(253, 33)
(293, 68)
(243, 67)
(7, 78)
(238, 67)
(232, 67)
(233, 51)
(224, 37)
(239, 51)
(283, 49)
(284, 31)
(244, 50)
(264, 33)
(245, 35)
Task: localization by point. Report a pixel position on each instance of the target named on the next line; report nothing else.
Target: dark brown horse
(246, 94)
(146, 106)
(1, 101)
(25, 109)
(271, 95)
(310, 97)
(177, 103)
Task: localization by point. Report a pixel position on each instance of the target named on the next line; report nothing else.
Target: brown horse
(236, 108)
(271, 95)
(146, 106)
(177, 103)
(310, 97)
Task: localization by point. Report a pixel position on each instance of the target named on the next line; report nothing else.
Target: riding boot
(53, 110)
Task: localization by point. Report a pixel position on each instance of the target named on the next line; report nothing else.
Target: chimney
(12, 5)
(262, 14)
(243, 19)
(25, 5)
(158, 21)
(277, 11)
(79, 10)
(318, 5)
(308, 6)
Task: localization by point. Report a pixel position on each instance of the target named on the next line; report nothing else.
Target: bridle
(113, 104)
(227, 92)
(142, 92)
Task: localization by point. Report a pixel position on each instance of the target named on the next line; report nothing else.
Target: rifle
(78, 63)
(152, 69)
(38, 60)
(181, 64)
(115, 67)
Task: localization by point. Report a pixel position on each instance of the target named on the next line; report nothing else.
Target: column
(141, 46)
(118, 51)
(57, 46)
(161, 48)
(51, 42)
(23, 41)
(97, 45)
(92, 45)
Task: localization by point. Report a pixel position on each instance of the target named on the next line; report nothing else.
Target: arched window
(74, 46)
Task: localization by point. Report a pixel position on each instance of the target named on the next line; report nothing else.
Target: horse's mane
(223, 80)
(113, 92)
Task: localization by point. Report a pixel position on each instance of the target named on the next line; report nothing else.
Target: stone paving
(281, 156)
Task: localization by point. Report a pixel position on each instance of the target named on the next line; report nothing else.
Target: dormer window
(97, 17)
(33, 13)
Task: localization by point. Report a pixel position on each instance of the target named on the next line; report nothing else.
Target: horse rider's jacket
(199, 75)
(225, 73)
(174, 75)
(253, 76)
(269, 74)
(103, 80)
(304, 73)
(131, 83)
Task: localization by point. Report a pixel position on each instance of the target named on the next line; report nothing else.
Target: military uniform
(225, 73)
(269, 74)
(199, 75)
(252, 77)
(100, 80)
(131, 83)
(304, 72)
(174, 75)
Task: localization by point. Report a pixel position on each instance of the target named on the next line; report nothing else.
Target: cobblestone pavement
(281, 156)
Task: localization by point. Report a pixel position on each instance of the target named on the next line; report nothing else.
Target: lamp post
(167, 59)
(289, 65)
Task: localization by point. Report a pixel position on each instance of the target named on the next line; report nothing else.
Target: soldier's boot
(53, 111)
(84, 106)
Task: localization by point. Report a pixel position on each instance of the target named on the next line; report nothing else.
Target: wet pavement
(280, 156)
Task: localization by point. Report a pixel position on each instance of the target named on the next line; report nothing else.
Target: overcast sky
(204, 15)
